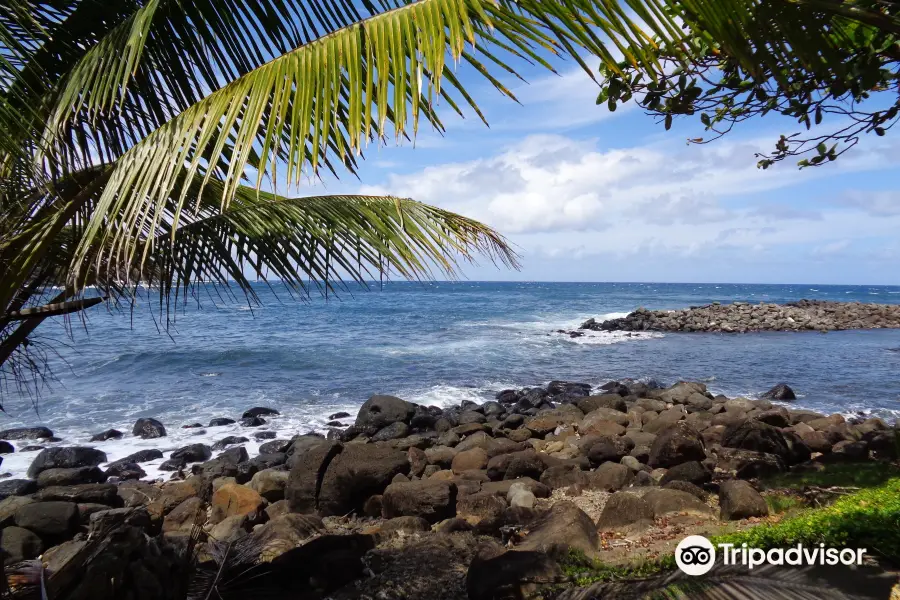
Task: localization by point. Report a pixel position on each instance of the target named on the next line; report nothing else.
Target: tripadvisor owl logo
(695, 555)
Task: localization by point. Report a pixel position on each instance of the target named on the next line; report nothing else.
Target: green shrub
(863, 474)
(867, 519)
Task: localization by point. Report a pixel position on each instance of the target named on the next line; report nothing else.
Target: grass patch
(862, 475)
(584, 571)
(867, 519)
(781, 503)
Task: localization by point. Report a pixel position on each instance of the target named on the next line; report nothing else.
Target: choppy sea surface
(437, 343)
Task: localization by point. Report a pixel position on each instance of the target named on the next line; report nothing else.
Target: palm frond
(324, 239)
(334, 94)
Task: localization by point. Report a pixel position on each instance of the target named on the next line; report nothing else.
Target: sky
(585, 194)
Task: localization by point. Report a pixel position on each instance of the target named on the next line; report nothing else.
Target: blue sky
(589, 195)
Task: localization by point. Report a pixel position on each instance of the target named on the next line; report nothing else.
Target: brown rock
(430, 500)
(235, 499)
(483, 510)
(184, 516)
(564, 527)
(468, 460)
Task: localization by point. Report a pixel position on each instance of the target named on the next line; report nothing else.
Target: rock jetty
(742, 317)
(414, 502)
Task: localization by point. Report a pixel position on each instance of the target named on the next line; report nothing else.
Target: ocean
(431, 343)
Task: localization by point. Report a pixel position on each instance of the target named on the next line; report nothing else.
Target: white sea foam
(606, 338)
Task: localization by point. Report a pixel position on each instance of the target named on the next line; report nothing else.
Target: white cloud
(558, 196)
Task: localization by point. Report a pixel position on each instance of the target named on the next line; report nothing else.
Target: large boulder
(51, 477)
(563, 527)
(286, 532)
(192, 453)
(138, 457)
(147, 428)
(18, 544)
(109, 434)
(380, 411)
(591, 403)
(609, 449)
(224, 465)
(739, 500)
(469, 460)
(691, 471)
(26, 433)
(758, 437)
(429, 499)
(234, 499)
(309, 463)
(623, 509)
(270, 483)
(676, 443)
(65, 458)
(610, 477)
(666, 501)
(513, 574)
(483, 510)
(782, 391)
(746, 464)
(17, 487)
(681, 392)
(50, 520)
(84, 493)
(184, 516)
(356, 473)
(259, 411)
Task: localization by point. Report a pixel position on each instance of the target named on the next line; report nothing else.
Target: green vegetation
(752, 58)
(781, 503)
(583, 571)
(861, 475)
(867, 519)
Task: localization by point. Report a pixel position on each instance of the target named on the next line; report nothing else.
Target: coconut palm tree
(141, 140)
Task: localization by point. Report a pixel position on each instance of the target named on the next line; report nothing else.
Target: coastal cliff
(742, 317)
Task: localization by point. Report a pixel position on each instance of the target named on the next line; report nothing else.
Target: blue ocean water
(437, 343)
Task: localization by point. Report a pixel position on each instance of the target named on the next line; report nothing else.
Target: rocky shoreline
(410, 501)
(743, 317)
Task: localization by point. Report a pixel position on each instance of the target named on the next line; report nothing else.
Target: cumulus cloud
(558, 196)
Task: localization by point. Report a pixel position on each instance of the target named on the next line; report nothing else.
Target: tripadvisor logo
(696, 555)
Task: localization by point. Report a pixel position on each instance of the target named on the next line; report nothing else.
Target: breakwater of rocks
(743, 317)
(415, 502)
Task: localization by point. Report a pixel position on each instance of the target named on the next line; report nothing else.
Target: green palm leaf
(332, 95)
(321, 238)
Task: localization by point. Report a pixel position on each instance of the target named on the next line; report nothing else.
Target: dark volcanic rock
(231, 440)
(739, 500)
(26, 433)
(51, 520)
(431, 500)
(17, 487)
(109, 434)
(380, 411)
(264, 435)
(782, 391)
(275, 446)
(259, 411)
(339, 415)
(623, 509)
(355, 474)
(510, 575)
(192, 453)
(6, 447)
(252, 421)
(18, 544)
(758, 437)
(65, 458)
(137, 457)
(675, 444)
(125, 471)
(692, 472)
(564, 527)
(51, 477)
(220, 421)
(224, 465)
(307, 471)
(148, 429)
(85, 493)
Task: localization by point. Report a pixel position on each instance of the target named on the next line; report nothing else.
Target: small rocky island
(475, 501)
(743, 317)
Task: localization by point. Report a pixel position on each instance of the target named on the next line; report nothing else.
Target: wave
(606, 338)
